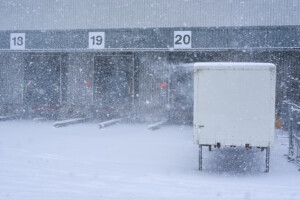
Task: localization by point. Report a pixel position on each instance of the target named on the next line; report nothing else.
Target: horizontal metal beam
(155, 39)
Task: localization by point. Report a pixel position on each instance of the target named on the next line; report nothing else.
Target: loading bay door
(113, 85)
(42, 83)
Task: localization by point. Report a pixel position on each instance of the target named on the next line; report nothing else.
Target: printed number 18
(18, 41)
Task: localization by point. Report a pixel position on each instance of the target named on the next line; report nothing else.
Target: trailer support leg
(200, 157)
(267, 159)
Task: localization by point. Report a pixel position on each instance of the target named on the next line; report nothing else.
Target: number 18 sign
(96, 40)
(17, 41)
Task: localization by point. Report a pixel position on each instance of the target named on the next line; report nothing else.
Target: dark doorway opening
(113, 86)
(181, 94)
(42, 86)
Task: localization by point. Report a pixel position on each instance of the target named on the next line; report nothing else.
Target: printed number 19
(97, 40)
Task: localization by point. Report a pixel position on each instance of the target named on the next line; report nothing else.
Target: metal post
(60, 82)
(267, 159)
(290, 131)
(200, 157)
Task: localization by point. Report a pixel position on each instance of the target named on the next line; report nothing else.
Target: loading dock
(146, 84)
(181, 94)
(113, 92)
(144, 55)
(42, 86)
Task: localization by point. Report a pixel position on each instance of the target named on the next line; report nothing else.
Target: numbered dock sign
(17, 41)
(96, 40)
(182, 39)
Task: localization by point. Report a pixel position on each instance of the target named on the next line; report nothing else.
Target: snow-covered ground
(127, 161)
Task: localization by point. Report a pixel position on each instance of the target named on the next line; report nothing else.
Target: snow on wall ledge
(93, 14)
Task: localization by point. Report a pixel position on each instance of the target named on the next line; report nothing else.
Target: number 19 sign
(17, 41)
(96, 40)
(182, 39)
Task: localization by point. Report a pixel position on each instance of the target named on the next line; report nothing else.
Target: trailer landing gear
(267, 159)
(264, 148)
(200, 157)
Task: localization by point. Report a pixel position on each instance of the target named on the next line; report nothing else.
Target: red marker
(163, 85)
(89, 84)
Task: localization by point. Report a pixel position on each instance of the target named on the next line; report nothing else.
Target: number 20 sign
(96, 40)
(182, 39)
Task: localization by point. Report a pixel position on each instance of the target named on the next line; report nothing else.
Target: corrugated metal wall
(93, 14)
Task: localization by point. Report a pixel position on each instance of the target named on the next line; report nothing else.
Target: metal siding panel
(210, 38)
(4, 40)
(162, 38)
(93, 14)
(57, 40)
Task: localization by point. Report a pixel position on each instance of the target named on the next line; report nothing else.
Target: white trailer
(234, 105)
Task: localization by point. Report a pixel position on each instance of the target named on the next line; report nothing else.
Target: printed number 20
(186, 39)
